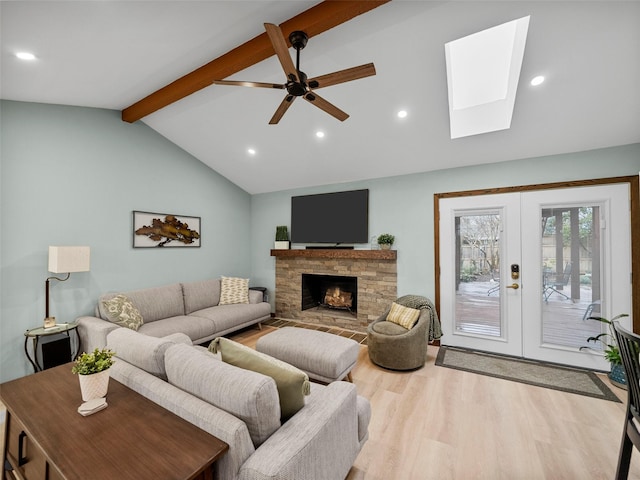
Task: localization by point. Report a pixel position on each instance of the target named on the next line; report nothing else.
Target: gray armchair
(394, 347)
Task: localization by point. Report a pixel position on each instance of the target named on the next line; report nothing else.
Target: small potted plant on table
(386, 240)
(93, 373)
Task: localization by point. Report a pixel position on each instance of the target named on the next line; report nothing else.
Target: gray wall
(72, 176)
(403, 206)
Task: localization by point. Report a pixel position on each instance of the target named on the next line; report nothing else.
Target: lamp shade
(69, 259)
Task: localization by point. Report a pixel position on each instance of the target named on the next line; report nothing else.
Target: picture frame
(165, 230)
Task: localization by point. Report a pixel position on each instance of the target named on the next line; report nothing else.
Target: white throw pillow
(234, 290)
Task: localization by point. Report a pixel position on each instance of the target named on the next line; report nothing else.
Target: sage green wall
(72, 176)
(403, 206)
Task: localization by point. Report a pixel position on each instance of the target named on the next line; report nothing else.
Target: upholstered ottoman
(323, 356)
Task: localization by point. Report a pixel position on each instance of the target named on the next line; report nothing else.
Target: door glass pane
(478, 247)
(571, 276)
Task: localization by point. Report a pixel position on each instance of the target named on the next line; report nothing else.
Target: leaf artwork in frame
(152, 230)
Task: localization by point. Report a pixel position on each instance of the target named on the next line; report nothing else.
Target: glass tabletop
(57, 328)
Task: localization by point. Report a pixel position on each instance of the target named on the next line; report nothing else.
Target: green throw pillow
(121, 311)
(404, 316)
(291, 382)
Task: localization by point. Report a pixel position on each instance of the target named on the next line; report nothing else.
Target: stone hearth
(375, 270)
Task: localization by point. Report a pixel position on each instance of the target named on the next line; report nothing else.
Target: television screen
(341, 217)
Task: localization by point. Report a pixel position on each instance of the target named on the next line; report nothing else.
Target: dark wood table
(133, 438)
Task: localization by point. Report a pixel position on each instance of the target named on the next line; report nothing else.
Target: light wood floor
(443, 424)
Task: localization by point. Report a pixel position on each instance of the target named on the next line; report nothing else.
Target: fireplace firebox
(329, 291)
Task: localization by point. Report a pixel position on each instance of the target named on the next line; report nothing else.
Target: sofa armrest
(93, 332)
(319, 442)
(255, 296)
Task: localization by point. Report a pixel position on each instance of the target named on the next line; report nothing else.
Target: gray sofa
(190, 308)
(241, 407)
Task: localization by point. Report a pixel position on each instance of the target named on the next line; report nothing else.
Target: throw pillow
(234, 290)
(121, 311)
(291, 382)
(403, 316)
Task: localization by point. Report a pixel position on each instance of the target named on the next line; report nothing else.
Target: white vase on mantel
(94, 385)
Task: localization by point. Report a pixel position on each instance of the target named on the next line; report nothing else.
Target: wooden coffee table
(133, 438)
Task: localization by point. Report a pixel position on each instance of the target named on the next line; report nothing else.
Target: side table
(36, 333)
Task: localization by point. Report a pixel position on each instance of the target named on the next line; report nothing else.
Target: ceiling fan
(298, 85)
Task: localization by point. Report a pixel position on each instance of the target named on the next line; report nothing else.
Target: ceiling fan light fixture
(297, 83)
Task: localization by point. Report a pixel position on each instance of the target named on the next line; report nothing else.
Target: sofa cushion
(121, 311)
(292, 383)
(227, 317)
(153, 303)
(234, 290)
(196, 328)
(388, 328)
(199, 295)
(403, 316)
(248, 395)
(141, 350)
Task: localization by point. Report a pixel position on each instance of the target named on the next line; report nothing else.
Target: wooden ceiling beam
(313, 21)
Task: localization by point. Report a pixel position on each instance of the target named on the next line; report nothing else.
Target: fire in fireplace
(337, 298)
(329, 291)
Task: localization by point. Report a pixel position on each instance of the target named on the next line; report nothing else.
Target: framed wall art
(152, 230)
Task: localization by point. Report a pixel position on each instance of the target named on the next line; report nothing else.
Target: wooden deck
(478, 313)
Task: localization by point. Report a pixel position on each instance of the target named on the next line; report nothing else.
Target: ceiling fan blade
(286, 103)
(248, 84)
(282, 51)
(342, 76)
(322, 104)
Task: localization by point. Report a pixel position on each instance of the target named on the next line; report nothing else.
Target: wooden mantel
(337, 253)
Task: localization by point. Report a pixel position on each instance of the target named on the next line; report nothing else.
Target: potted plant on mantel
(386, 240)
(282, 238)
(611, 350)
(93, 373)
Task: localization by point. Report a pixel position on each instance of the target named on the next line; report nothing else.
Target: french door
(520, 273)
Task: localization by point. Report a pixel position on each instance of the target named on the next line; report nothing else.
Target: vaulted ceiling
(112, 54)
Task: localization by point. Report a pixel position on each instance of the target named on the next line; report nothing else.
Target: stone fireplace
(370, 276)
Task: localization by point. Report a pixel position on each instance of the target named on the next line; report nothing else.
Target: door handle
(515, 286)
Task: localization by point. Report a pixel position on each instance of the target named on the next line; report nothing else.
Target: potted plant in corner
(611, 350)
(386, 240)
(282, 238)
(93, 373)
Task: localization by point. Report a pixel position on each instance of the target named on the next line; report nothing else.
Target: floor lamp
(64, 260)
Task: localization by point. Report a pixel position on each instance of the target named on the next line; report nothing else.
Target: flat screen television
(339, 217)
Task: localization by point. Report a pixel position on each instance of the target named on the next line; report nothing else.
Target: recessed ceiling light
(25, 56)
(535, 81)
(251, 151)
(319, 134)
(402, 113)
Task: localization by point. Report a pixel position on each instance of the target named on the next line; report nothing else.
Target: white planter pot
(94, 385)
(281, 245)
(385, 246)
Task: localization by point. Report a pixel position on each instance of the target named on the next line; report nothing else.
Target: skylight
(482, 77)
